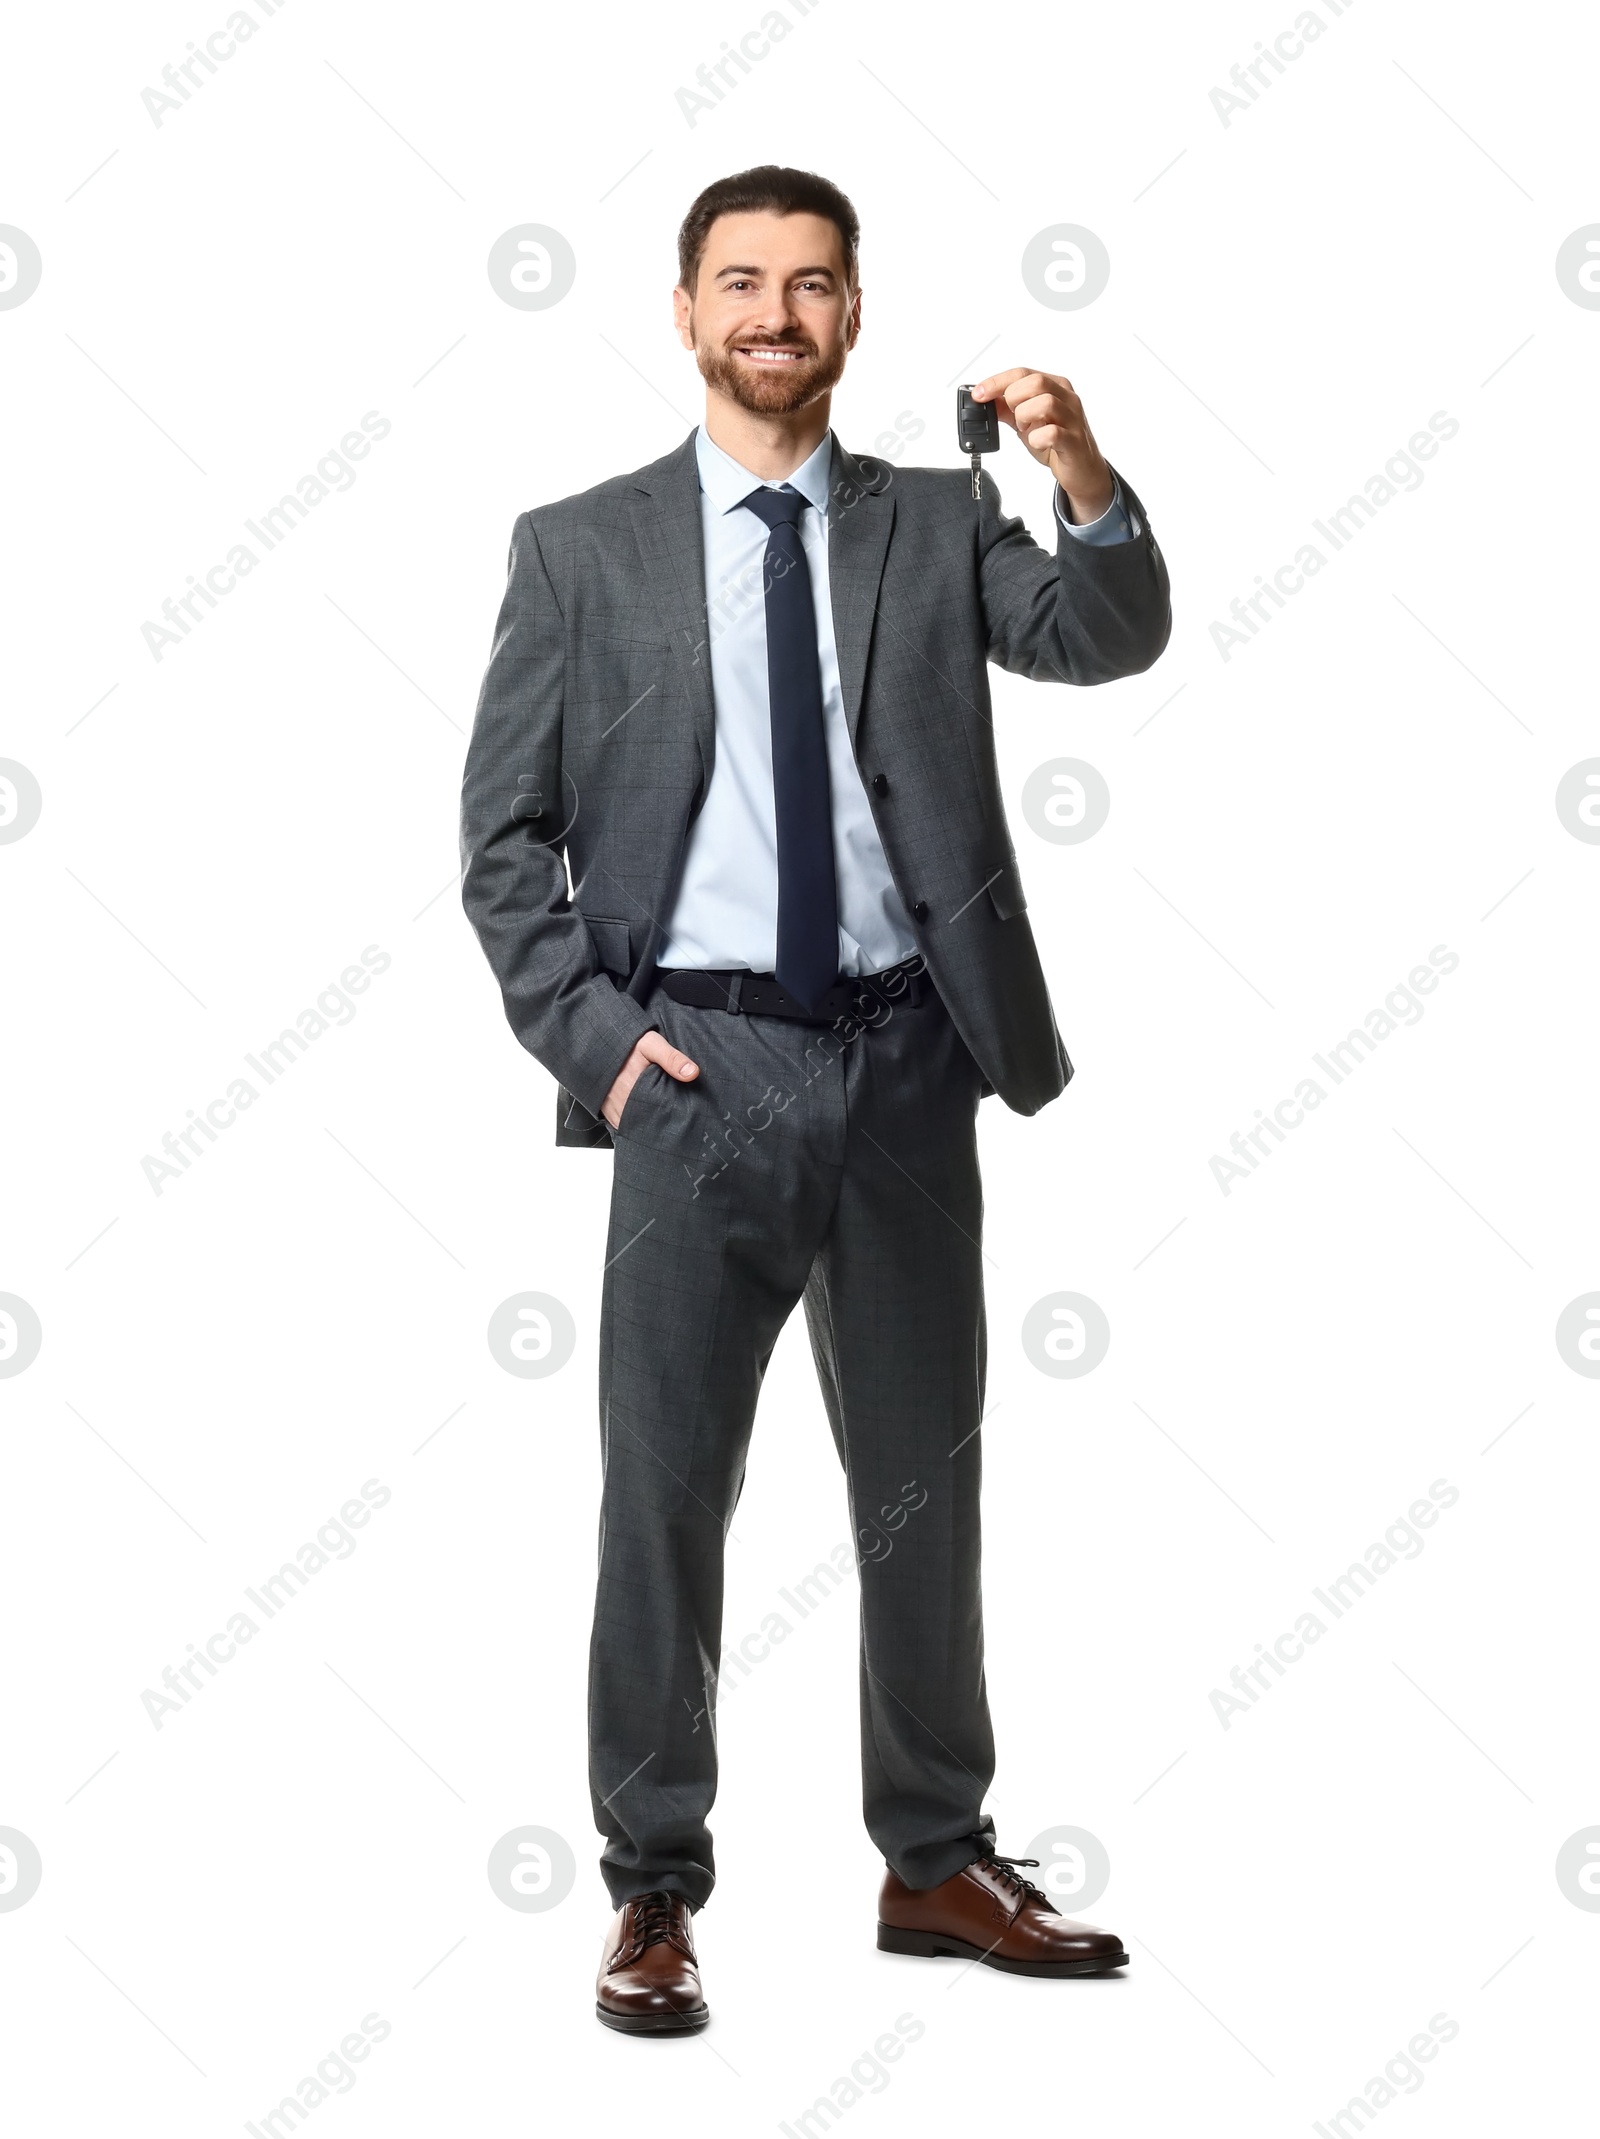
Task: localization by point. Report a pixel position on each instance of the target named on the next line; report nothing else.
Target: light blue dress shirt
(725, 914)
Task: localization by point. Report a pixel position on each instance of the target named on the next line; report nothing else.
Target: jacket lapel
(860, 517)
(665, 505)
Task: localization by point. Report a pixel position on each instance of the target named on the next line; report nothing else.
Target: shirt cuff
(1115, 524)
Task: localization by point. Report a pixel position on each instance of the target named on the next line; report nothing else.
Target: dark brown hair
(768, 189)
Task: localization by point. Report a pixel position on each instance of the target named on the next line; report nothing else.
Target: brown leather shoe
(989, 1913)
(649, 1982)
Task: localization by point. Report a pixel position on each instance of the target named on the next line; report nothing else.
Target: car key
(977, 431)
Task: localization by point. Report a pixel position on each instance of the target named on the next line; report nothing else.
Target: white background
(1291, 831)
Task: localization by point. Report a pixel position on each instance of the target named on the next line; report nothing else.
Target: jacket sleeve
(516, 805)
(1087, 615)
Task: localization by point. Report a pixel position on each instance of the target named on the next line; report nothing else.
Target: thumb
(657, 1049)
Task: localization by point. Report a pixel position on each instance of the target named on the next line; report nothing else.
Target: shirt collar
(727, 484)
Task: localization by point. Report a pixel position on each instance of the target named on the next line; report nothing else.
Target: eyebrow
(828, 271)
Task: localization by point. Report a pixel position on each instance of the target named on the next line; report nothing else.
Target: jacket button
(919, 912)
(880, 783)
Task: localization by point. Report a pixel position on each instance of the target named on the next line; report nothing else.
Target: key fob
(977, 425)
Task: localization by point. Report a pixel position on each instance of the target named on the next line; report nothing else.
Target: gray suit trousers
(838, 1165)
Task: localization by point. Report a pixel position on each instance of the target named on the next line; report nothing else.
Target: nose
(775, 315)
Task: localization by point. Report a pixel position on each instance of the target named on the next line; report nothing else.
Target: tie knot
(778, 508)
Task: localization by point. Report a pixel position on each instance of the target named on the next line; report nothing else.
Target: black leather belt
(748, 994)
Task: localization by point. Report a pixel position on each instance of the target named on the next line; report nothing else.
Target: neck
(769, 446)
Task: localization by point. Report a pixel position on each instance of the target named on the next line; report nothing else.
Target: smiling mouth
(768, 353)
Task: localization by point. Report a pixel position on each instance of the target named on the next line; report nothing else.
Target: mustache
(771, 341)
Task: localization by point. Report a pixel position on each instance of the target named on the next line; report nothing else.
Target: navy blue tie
(808, 901)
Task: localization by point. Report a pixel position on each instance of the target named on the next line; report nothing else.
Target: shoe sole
(938, 1945)
(655, 2023)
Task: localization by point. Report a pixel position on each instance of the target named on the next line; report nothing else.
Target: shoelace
(1014, 1879)
(654, 1923)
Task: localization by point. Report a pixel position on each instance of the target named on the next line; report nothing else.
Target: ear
(683, 316)
(854, 329)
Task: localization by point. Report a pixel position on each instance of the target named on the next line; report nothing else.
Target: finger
(997, 382)
(656, 1049)
(1045, 382)
(1039, 388)
(1045, 408)
(1046, 439)
(1025, 385)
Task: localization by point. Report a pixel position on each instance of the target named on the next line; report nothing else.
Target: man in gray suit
(740, 697)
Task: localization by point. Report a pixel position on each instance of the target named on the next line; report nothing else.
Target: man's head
(767, 296)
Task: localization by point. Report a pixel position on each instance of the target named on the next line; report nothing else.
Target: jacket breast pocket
(610, 940)
(1006, 893)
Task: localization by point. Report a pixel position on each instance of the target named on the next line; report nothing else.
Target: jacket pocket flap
(1006, 893)
(610, 940)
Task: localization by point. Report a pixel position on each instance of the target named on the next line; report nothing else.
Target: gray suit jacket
(592, 746)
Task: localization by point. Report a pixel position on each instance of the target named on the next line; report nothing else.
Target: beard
(771, 390)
